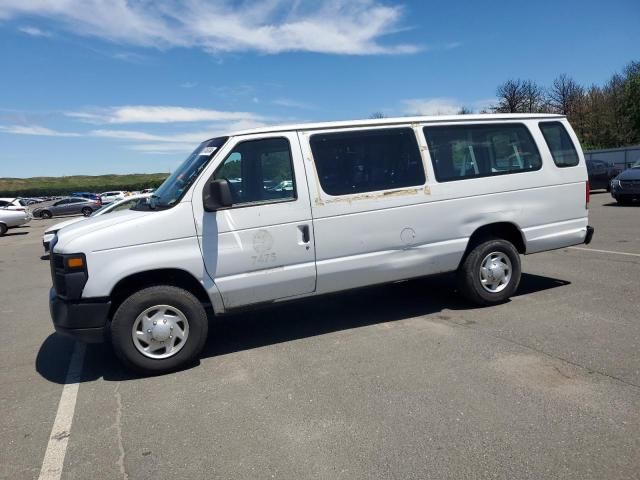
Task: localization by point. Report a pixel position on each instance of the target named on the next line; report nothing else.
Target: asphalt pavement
(399, 381)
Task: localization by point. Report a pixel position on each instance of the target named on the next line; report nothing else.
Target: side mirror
(216, 195)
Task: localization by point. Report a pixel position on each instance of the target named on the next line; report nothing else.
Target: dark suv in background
(601, 173)
(626, 187)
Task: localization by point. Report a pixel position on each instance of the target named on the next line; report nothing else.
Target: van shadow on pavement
(288, 322)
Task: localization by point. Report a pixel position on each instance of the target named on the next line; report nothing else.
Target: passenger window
(562, 149)
(472, 151)
(259, 171)
(367, 160)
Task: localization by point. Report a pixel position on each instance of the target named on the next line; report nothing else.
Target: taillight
(586, 195)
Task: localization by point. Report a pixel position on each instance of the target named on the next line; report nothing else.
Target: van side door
(261, 248)
(370, 200)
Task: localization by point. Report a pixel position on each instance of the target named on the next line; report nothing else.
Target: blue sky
(96, 86)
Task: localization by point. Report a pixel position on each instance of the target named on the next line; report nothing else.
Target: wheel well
(504, 230)
(168, 276)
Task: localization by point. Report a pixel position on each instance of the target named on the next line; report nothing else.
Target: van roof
(396, 120)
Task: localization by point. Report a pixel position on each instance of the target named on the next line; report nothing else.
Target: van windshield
(174, 187)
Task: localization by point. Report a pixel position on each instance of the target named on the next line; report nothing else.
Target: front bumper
(84, 320)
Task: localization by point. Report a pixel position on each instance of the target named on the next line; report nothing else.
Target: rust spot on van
(372, 196)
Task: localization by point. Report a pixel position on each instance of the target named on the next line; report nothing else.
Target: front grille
(630, 184)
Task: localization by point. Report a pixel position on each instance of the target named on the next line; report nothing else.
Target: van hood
(61, 225)
(127, 228)
(630, 174)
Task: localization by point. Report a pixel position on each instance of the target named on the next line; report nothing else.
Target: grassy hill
(37, 186)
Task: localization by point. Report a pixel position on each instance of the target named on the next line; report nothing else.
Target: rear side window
(367, 160)
(471, 151)
(562, 149)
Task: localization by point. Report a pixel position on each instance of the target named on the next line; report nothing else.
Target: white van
(282, 213)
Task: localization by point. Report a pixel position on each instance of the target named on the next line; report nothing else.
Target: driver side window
(259, 171)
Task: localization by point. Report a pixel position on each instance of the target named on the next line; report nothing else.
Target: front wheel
(3, 229)
(623, 200)
(159, 329)
(46, 214)
(490, 273)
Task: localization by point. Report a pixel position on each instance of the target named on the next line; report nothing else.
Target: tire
(46, 214)
(137, 312)
(623, 200)
(491, 251)
(86, 211)
(3, 229)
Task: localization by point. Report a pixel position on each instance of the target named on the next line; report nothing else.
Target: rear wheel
(490, 273)
(86, 211)
(159, 329)
(3, 229)
(45, 214)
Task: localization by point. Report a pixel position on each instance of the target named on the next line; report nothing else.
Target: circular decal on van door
(262, 241)
(408, 236)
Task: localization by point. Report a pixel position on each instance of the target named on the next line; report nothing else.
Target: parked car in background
(601, 173)
(32, 201)
(12, 218)
(68, 206)
(13, 204)
(113, 196)
(89, 195)
(124, 204)
(626, 187)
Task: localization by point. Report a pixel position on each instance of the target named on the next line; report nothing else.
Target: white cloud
(432, 106)
(484, 104)
(348, 27)
(452, 45)
(159, 114)
(163, 148)
(34, 31)
(290, 103)
(444, 105)
(35, 130)
(190, 137)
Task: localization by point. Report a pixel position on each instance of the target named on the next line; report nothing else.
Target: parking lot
(399, 381)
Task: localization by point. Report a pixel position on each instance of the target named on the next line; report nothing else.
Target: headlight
(615, 183)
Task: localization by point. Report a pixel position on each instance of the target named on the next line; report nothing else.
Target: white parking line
(57, 446)
(606, 251)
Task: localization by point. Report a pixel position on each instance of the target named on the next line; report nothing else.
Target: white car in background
(13, 218)
(18, 204)
(114, 196)
(124, 204)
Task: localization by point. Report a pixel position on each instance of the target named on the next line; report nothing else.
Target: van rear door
(262, 248)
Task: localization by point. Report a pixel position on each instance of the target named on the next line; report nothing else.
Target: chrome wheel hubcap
(160, 331)
(495, 272)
